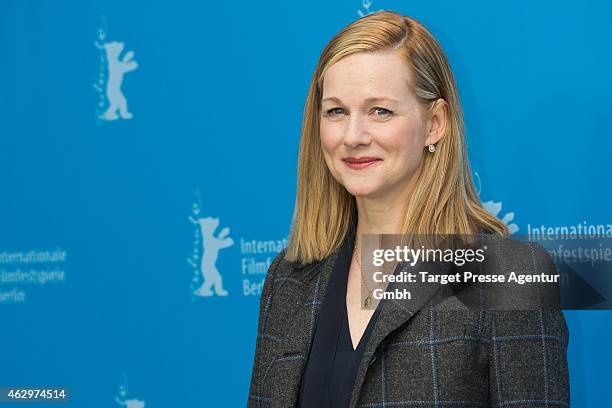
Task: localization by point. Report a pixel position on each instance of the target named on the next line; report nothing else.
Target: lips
(358, 163)
(360, 159)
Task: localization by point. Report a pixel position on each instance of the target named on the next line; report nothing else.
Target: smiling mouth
(361, 163)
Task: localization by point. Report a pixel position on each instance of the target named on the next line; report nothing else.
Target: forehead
(366, 74)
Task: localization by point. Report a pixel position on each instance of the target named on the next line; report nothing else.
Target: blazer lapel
(394, 314)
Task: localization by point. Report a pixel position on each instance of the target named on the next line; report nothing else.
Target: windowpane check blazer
(422, 357)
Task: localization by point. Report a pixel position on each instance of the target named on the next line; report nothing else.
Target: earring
(431, 148)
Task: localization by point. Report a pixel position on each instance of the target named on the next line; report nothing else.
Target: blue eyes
(381, 112)
(385, 112)
(335, 111)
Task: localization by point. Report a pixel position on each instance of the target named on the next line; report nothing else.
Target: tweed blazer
(423, 357)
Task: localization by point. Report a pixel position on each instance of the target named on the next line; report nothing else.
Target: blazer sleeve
(528, 354)
(262, 344)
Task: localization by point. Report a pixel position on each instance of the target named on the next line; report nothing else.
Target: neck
(381, 216)
(377, 217)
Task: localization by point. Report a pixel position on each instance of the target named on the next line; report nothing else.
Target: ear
(437, 122)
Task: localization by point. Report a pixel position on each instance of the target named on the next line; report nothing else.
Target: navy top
(329, 374)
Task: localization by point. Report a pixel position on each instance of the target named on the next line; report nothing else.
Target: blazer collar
(311, 282)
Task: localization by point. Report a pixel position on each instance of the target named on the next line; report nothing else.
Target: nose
(356, 132)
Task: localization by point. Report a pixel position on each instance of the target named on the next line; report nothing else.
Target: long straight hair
(444, 200)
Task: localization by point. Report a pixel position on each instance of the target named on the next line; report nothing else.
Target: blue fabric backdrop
(132, 133)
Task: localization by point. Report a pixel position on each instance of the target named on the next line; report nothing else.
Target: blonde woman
(383, 151)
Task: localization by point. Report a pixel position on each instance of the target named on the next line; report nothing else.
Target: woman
(383, 152)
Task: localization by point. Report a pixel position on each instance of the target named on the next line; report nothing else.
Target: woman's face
(368, 112)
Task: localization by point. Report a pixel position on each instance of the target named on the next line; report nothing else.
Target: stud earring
(431, 148)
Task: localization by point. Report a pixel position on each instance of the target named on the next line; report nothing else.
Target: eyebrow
(367, 100)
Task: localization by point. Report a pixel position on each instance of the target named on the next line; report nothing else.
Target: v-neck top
(329, 375)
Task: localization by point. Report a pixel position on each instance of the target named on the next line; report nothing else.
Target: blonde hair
(444, 200)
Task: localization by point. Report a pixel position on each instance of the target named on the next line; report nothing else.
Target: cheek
(404, 142)
(330, 136)
(329, 145)
(404, 137)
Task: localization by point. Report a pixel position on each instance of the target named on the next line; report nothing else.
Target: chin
(362, 191)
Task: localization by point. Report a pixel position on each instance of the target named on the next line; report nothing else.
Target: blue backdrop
(133, 134)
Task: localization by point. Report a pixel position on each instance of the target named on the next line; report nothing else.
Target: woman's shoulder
(510, 250)
(283, 268)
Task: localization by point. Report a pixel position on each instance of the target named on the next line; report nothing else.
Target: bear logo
(128, 403)
(133, 403)
(211, 245)
(494, 208)
(117, 103)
